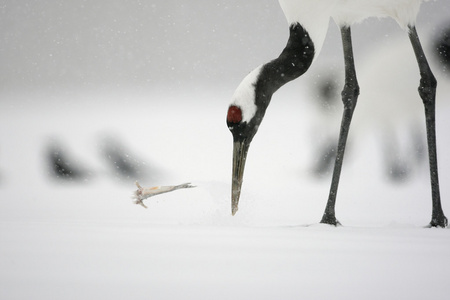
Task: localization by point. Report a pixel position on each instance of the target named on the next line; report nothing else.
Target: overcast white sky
(114, 42)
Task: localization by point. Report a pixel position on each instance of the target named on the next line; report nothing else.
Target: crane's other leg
(427, 91)
(349, 97)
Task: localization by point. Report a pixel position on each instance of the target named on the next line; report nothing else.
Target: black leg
(427, 91)
(349, 97)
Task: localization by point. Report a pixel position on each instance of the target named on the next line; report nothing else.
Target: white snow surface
(68, 240)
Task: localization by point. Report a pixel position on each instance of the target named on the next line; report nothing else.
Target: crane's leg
(427, 91)
(349, 97)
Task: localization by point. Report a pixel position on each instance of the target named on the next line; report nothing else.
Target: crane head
(253, 95)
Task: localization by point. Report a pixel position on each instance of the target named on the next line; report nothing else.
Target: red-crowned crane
(308, 24)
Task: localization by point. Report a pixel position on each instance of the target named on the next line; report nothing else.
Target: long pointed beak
(240, 149)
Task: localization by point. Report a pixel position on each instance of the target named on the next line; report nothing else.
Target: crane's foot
(330, 220)
(439, 222)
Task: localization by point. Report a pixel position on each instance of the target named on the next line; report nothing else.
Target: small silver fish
(143, 193)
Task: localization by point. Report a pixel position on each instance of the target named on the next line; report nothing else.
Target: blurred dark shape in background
(329, 90)
(62, 166)
(443, 48)
(328, 94)
(327, 155)
(122, 163)
(400, 162)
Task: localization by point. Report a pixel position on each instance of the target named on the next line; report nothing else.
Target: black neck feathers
(295, 60)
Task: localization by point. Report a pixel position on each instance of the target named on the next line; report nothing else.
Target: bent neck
(295, 60)
(313, 15)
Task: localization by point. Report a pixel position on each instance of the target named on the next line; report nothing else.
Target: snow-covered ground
(87, 240)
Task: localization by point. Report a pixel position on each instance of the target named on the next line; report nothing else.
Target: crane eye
(234, 115)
